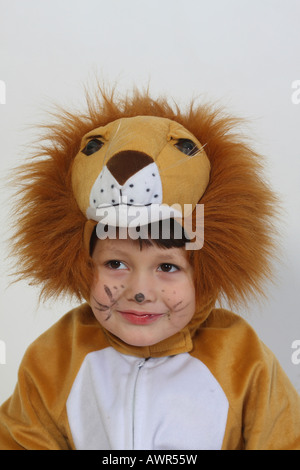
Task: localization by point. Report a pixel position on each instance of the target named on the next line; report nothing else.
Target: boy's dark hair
(157, 234)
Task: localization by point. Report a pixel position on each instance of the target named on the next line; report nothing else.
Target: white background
(245, 54)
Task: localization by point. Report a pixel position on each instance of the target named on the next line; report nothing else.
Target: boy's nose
(141, 289)
(139, 297)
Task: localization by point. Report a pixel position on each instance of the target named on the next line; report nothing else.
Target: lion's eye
(92, 147)
(187, 146)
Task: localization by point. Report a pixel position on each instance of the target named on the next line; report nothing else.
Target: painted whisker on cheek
(100, 307)
(177, 310)
(104, 308)
(108, 316)
(176, 305)
(181, 308)
(108, 293)
(113, 301)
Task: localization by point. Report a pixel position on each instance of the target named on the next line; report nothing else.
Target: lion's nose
(126, 163)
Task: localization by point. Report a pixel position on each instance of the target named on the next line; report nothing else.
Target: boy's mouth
(140, 318)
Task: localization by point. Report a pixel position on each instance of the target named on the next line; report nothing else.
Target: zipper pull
(142, 362)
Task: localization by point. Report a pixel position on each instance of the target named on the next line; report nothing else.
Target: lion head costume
(143, 150)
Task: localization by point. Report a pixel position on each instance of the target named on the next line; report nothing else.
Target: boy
(148, 362)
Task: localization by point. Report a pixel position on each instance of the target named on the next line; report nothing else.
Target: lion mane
(239, 205)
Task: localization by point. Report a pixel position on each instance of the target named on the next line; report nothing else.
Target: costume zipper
(139, 366)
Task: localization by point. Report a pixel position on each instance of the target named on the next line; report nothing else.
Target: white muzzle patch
(139, 199)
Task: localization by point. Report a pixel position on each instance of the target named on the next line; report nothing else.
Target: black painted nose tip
(139, 297)
(126, 163)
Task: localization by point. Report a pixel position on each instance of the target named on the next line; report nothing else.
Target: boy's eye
(115, 264)
(92, 146)
(168, 268)
(187, 147)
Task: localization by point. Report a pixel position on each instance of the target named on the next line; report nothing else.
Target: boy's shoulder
(70, 331)
(230, 347)
(239, 360)
(225, 334)
(58, 353)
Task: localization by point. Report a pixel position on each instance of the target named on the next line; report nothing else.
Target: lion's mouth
(140, 190)
(130, 215)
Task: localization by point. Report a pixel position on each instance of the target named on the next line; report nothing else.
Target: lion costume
(214, 384)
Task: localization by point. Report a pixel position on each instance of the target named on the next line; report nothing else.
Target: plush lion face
(118, 143)
(139, 161)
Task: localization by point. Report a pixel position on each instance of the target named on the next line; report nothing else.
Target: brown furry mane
(239, 206)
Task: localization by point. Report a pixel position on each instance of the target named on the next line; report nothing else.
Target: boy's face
(142, 296)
